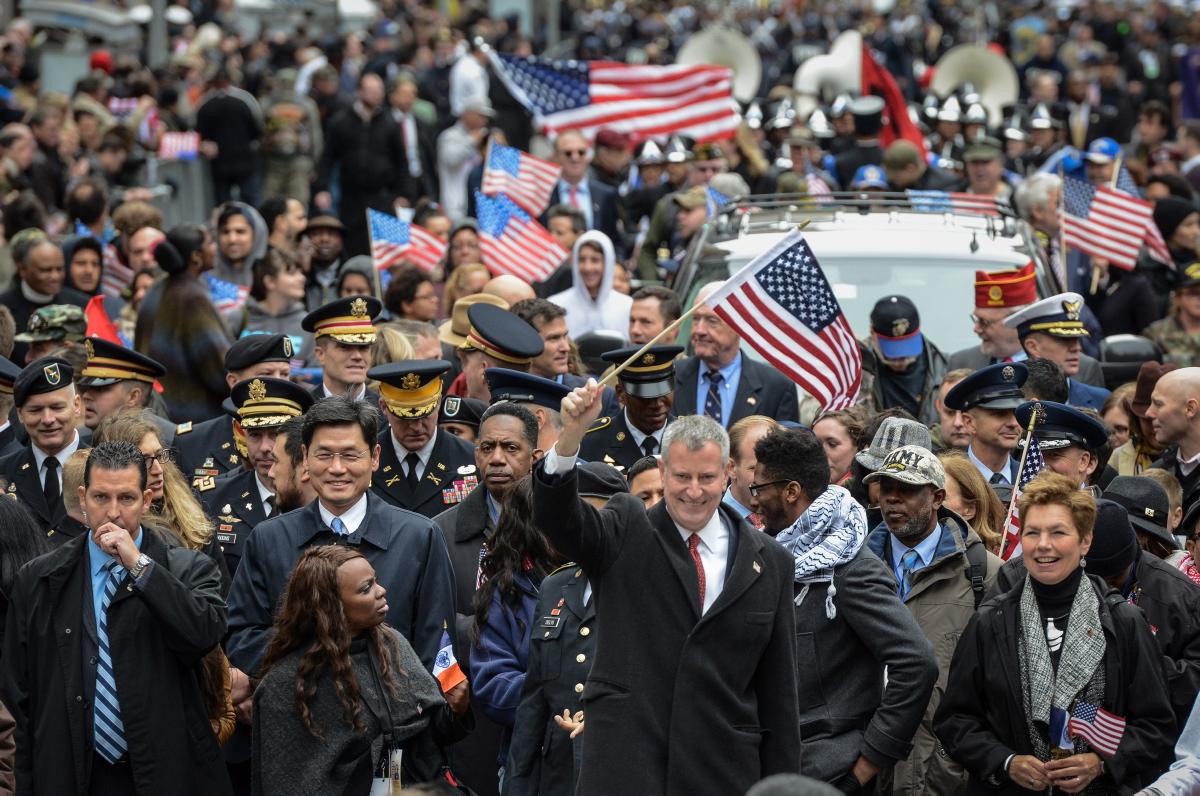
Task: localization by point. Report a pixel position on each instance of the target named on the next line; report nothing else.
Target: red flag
(98, 322)
(876, 80)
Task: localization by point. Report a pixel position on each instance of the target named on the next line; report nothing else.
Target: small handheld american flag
(1033, 464)
(513, 242)
(179, 146)
(1102, 730)
(1108, 222)
(527, 180)
(782, 305)
(393, 240)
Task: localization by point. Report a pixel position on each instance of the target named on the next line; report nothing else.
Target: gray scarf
(828, 534)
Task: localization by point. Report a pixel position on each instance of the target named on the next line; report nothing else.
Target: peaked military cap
(348, 320)
(263, 402)
(652, 375)
(514, 385)
(994, 387)
(109, 363)
(410, 389)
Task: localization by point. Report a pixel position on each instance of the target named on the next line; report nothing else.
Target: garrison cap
(255, 348)
(410, 389)
(513, 385)
(348, 320)
(501, 335)
(41, 376)
(994, 387)
(263, 402)
(109, 363)
(652, 375)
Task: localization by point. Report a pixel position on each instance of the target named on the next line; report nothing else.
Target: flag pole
(1034, 416)
(374, 267)
(1062, 234)
(611, 378)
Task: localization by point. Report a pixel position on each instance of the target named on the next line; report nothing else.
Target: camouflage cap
(911, 464)
(55, 322)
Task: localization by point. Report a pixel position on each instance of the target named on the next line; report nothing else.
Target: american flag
(1034, 464)
(513, 242)
(527, 180)
(179, 146)
(1105, 222)
(781, 304)
(1102, 730)
(393, 240)
(644, 101)
(953, 202)
(226, 296)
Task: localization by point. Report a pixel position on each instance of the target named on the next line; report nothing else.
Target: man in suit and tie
(575, 188)
(50, 410)
(694, 689)
(646, 391)
(422, 468)
(722, 383)
(245, 497)
(417, 137)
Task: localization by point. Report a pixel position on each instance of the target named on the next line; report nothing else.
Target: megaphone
(838, 72)
(993, 76)
(722, 46)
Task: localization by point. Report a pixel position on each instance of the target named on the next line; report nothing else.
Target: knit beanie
(1114, 545)
(1169, 213)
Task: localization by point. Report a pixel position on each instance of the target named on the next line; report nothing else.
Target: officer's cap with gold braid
(502, 336)
(410, 389)
(109, 363)
(1189, 276)
(1057, 315)
(8, 376)
(348, 320)
(263, 402)
(652, 375)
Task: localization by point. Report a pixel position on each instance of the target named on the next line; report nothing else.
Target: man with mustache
(646, 390)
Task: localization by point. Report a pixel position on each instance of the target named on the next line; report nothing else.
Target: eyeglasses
(575, 153)
(754, 489)
(982, 323)
(163, 457)
(348, 457)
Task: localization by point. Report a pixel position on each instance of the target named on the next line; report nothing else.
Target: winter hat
(1114, 545)
(1169, 213)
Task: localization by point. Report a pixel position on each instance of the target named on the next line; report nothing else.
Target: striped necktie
(712, 401)
(108, 729)
(339, 527)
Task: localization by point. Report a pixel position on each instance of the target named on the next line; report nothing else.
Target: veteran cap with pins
(651, 375)
(519, 387)
(502, 336)
(1008, 288)
(1059, 316)
(40, 377)
(994, 387)
(348, 320)
(410, 389)
(109, 363)
(256, 348)
(1060, 426)
(263, 402)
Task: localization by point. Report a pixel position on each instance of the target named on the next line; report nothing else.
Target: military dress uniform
(412, 390)
(8, 375)
(235, 501)
(542, 758)
(109, 363)
(1060, 316)
(611, 439)
(349, 321)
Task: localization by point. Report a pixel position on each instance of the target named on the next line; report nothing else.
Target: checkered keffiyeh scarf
(828, 534)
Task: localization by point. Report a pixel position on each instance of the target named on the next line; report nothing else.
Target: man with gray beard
(941, 569)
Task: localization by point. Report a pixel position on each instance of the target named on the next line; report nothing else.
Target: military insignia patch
(451, 407)
(649, 359)
(52, 373)
(204, 484)
(995, 294)
(1008, 374)
(288, 348)
(358, 308)
(183, 428)
(620, 436)
(258, 390)
(1072, 310)
(900, 327)
(90, 349)
(411, 381)
(466, 469)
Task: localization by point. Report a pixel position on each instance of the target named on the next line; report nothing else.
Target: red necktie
(693, 541)
(756, 520)
(574, 197)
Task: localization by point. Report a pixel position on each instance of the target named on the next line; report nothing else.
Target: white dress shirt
(714, 538)
(583, 199)
(40, 457)
(639, 436)
(423, 454)
(408, 131)
(352, 517)
(264, 494)
(357, 392)
(468, 80)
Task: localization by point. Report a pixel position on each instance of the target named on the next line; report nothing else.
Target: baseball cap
(1103, 150)
(911, 464)
(897, 327)
(869, 177)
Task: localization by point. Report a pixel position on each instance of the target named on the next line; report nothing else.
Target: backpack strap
(976, 570)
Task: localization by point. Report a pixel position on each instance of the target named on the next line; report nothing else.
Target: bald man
(510, 288)
(1175, 414)
(141, 248)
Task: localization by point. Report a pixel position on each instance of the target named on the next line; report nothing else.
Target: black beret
(462, 410)
(255, 348)
(42, 376)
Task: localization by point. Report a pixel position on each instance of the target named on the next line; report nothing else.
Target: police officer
(1053, 328)
(422, 468)
(343, 331)
(541, 396)
(496, 339)
(1067, 437)
(646, 390)
(119, 378)
(244, 498)
(50, 327)
(214, 447)
(49, 408)
(987, 399)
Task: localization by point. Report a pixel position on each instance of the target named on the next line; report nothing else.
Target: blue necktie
(712, 403)
(908, 563)
(339, 527)
(108, 730)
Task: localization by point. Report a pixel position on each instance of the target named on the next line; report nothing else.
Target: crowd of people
(279, 521)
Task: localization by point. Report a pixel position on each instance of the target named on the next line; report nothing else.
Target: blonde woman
(466, 280)
(969, 496)
(175, 508)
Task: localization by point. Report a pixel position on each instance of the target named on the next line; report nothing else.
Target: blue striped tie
(712, 401)
(108, 729)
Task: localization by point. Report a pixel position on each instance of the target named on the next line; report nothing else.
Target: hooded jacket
(609, 311)
(260, 321)
(243, 275)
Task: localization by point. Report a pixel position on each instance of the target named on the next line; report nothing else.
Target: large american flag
(1106, 222)
(1102, 730)
(953, 202)
(393, 241)
(1034, 464)
(644, 101)
(527, 180)
(782, 305)
(513, 242)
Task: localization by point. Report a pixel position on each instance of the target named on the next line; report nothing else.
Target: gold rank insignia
(258, 390)
(1072, 310)
(358, 308)
(90, 349)
(233, 459)
(649, 359)
(441, 466)
(620, 436)
(411, 381)
(287, 346)
(387, 469)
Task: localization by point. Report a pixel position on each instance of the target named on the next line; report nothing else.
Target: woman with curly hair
(341, 691)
